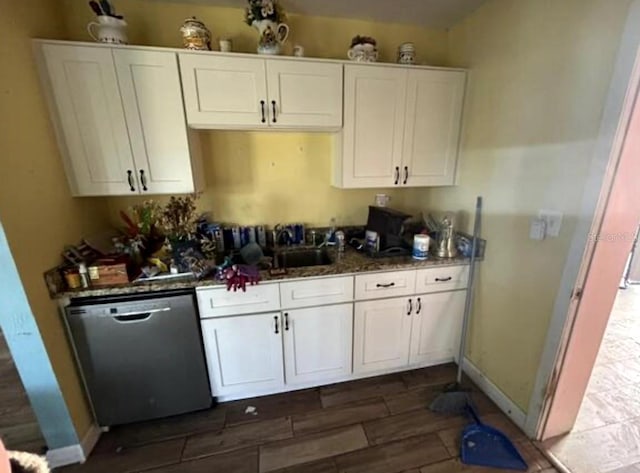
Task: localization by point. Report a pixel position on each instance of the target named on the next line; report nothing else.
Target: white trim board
(90, 439)
(614, 106)
(78, 453)
(494, 393)
(65, 456)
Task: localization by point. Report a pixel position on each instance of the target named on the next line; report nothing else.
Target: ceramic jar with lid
(195, 35)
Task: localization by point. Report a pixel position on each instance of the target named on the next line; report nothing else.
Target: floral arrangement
(264, 10)
(362, 40)
(178, 219)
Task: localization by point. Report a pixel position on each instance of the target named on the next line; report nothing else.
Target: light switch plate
(553, 221)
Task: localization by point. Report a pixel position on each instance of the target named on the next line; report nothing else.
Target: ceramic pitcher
(272, 36)
(108, 30)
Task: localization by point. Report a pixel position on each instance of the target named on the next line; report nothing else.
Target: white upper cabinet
(374, 116)
(89, 120)
(150, 89)
(434, 114)
(222, 91)
(254, 93)
(401, 127)
(119, 119)
(304, 94)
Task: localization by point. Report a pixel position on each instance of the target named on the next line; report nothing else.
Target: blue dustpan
(485, 446)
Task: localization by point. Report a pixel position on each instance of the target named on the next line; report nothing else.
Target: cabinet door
(317, 343)
(224, 92)
(244, 354)
(437, 322)
(382, 332)
(89, 119)
(434, 116)
(374, 111)
(304, 94)
(152, 98)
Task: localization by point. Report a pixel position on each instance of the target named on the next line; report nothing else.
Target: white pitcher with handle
(108, 29)
(272, 36)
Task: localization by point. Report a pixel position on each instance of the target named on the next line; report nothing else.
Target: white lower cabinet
(291, 345)
(317, 343)
(382, 331)
(244, 354)
(436, 326)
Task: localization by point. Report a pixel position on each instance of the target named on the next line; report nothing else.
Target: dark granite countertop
(349, 263)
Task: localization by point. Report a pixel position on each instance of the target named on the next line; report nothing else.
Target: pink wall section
(612, 247)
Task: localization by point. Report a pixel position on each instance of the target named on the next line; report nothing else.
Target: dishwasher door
(141, 358)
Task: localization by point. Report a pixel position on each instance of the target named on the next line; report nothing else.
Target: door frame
(604, 186)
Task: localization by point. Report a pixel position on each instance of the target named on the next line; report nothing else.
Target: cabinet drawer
(442, 279)
(396, 283)
(316, 292)
(218, 302)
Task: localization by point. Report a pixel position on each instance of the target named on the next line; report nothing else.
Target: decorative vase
(195, 35)
(272, 35)
(108, 30)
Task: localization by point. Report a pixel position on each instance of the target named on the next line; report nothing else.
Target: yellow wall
(539, 74)
(36, 209)
(269, 177)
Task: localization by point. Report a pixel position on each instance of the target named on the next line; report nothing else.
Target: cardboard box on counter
(109, 271)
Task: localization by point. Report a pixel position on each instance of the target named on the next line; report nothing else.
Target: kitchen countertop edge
(348, 264)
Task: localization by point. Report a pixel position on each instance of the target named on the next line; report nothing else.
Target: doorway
(596, 364)
(19, 429)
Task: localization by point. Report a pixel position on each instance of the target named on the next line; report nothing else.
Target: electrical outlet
(538, 229)
(553, 221)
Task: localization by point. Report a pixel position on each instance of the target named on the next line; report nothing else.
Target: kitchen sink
(299, 258)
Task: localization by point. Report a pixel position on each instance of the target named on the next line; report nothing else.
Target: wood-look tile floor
(606, 436)
(19, 429)
(376, 425)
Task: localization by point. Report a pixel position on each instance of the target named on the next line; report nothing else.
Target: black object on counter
(389, 224)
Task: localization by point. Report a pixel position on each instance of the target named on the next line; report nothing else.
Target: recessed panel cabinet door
(434, 114)
(437, 322)
(317, 343)
(244, 354)
(152, 99)
(224, 92)
(90, 120)
(374, 114)
(304, 94)
(381, 334)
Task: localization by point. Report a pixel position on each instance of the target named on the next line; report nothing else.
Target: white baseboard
(505, 404)
(90, 439)
(65, 456)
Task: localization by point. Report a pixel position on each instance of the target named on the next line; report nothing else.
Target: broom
(454, 398)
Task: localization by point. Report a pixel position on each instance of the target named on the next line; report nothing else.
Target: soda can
(261, 234)
(237, 243)
(298, 233)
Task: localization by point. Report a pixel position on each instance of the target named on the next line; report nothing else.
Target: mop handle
(469, 299)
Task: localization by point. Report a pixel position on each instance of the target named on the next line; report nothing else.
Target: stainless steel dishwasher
(141, 356)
